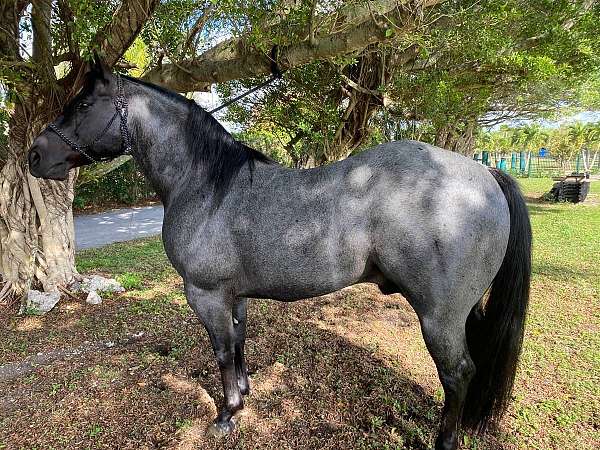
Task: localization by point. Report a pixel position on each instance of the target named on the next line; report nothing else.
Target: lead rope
(276, 75)
(245, 94)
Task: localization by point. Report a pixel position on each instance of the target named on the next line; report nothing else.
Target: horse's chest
(200, 255)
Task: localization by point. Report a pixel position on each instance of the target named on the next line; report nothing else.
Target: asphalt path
(96, 230)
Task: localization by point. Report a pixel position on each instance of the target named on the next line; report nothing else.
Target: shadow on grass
(529, 199)
(562, 272)
(541, 210)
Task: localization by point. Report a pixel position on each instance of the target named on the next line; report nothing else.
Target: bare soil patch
(340, 371)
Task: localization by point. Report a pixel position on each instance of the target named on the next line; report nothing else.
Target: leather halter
(121, 111)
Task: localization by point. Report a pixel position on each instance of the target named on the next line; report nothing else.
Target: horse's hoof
(447, 443)
(220, 429)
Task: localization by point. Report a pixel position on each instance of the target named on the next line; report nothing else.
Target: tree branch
(197, 27)
(234, 59)
(42, 42)
(67, 16)
(126, 24)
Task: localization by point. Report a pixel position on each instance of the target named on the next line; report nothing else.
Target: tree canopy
(357, 70)
(466, 66)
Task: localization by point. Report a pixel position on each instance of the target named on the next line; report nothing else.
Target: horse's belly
(299, 268)
(292, 289)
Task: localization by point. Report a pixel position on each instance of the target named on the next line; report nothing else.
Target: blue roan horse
(447, 233)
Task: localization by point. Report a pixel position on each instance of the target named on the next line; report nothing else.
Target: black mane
(213, 147)
(210, 144)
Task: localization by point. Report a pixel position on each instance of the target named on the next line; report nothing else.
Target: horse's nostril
(34, 158)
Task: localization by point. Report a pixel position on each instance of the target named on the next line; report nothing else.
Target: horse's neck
(159, 145)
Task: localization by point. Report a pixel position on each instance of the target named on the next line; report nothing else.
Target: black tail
(496, 324)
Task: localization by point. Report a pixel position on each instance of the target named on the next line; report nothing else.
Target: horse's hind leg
(239, 325)
(446, 341)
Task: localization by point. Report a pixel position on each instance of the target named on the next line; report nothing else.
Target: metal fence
(541, 164)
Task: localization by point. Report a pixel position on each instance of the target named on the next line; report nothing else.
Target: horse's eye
(83, 105)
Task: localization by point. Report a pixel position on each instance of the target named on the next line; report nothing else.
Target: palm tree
(561, 146)
(578, 135)
(593, 143)
(533, 137)
(516, 136)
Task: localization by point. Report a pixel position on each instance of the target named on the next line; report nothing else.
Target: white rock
(40, 302)
(100, 284)
(93, 298)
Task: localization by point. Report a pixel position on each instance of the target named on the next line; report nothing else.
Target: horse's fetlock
(235, 404)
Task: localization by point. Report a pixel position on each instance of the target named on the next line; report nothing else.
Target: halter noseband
(121, 111)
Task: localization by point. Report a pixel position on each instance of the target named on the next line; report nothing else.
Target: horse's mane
(210, 144)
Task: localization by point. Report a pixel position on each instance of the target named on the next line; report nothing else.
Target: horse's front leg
(239, 325)
(214, 309)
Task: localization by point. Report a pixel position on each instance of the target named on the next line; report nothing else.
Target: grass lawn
(347, 370)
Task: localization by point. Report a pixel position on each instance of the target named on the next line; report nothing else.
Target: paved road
(96, 230)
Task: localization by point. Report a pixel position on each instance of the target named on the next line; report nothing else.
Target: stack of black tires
(572, 188)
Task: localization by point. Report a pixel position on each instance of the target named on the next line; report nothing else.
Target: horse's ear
(99, 68)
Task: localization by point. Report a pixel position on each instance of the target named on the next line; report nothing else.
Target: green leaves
(137, 55)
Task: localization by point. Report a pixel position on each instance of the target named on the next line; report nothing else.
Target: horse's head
(91, 128)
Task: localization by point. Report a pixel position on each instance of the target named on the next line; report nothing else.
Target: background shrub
(125, 185)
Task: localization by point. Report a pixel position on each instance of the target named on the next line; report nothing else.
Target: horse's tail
(496, 325)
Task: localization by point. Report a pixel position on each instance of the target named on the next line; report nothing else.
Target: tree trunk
(36, 220)
(36, 217)
(459, 138)
(366, 82)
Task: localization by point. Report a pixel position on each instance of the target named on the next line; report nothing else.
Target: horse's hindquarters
(444, 250)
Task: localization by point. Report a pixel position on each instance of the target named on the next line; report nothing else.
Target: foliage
(481, 65)
(295, 115)
(138, 56)
(469, 64)
(560, 145)
(563, 142)
(124, 185)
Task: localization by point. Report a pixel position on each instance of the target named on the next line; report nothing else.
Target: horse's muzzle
(40, 169)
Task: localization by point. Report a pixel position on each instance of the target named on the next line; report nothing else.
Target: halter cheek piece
(121, 111)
